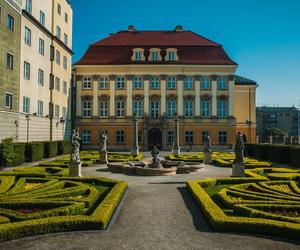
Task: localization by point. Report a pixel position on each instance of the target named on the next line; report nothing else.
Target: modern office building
(284, 118)
(45, 70)
(155, 75)
(10, 29)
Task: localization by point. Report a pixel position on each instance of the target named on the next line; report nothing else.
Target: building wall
(237, 96)
(9, 78)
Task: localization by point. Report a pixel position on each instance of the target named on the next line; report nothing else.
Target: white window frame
(27, 36)
(155, 82)
(138, 107)
(120, 137)
(28, 6)
(222, 108)
(222, 138)
(205, 83)
(10, 100)
(205, 108)
(40, 108)
(66, 39)
(26, 104)
(222, 83)
(188, 83)
(9, 60)
(104, 80)
(137, 82)
(41, 46)
(42, 18)
(57, 84)
(26, 70)
(171, 82)
(87, 82)
(154, 109)
(120, 82)
(10, 22)
(188, 108)
(86, 136)
(103, 108)
(86, 109)
(120, 108)
(56, 111)
(189, 137)
(57, 57)
(65, 62)
(41, 77)
(171, 108)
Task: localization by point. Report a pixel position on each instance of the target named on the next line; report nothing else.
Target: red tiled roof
(192, 48)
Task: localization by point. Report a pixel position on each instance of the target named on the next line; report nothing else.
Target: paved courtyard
(158, 213)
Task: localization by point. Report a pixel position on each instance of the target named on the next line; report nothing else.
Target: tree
(7, 151)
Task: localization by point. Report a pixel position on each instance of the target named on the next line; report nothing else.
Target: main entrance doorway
(154, 138)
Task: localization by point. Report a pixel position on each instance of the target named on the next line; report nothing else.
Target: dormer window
(171, 55)
(154, 55)
(138, 54)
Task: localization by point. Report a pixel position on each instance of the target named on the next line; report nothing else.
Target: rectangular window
(154, 111)
(28, 6)
(138, 56)
(42, 18)
(205, 108)
(58, 9)
(120, 82)
(64, 112)
(66, 39)
(205, 83)
(171, 56)
(170, 139)
(155, 83)
(65, 62)
(66, 18)
(222, 137)
(26, 105)
(40, 109)
(137, 82)
(188, 108)
(8, 100)
(103, 108)
(137, 108)
(154, 56)
(86, 137)
(9, 61)
(40, 77)
(222, 108)
(188, 83)
(41, 46)
(87, 109)
(204, 134)
(26, 70)
(222, 83)
(56, 111)
(120, 108)
(57, 84)
(87, 83)
(65, 87)
(189, 137)
(171, 108)
(10, 22)
(57, 57)
(104, 82)
(27, 37)
(171, 82)
(120, 137)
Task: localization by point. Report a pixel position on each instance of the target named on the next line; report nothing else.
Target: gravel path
(158, 213)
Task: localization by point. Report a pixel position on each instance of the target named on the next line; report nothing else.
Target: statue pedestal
(238, 170)
(135, 151)
(75, 169)
(207, 157)
(103, 157)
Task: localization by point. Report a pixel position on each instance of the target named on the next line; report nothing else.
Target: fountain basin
(146, 171)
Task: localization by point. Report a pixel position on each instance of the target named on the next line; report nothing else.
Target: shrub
(261, 151)
(63, 147)
(295, 156)
(279, 153)
(19, 153)
(7, 152)
(34, 151)
(50, 149)
(249, 149)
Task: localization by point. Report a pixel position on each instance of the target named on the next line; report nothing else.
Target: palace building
(155, 75)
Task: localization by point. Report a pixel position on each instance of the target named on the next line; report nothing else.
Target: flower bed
(37, 201)
(255, 204)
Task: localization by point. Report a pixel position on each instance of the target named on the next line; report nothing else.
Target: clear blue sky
(262, 36)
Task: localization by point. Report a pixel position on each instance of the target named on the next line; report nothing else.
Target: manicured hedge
(63, 147)
(50, 149)
(260, 151)
(34, 151)
(295, 156)
(19, 153)
(279, 153)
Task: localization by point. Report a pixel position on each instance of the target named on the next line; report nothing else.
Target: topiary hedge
(50, 149)
(279, 153)
(34, 151)
(260, 151)
(295, 156)
(19, 153)
(63, 147)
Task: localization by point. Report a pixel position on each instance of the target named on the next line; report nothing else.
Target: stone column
(112, 83)
(197, 96)
(271, 139)
(163, 95)
(176, 147)
(284, 140)
(129, 95)
(135, 137)
(231, 95)
(146, 95)
(257, 139)
(78, 95)
(180, 95)
(214, 95)
(291, 140)
(95, 96)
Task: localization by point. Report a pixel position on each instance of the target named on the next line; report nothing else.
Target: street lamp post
(27, 122)
(249, 123)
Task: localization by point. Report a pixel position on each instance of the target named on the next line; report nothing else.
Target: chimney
(178, 28)
(131, 28)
